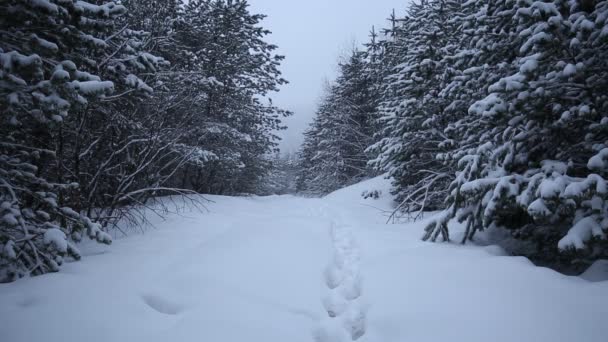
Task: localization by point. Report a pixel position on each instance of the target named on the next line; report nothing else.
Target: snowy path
(270, 270)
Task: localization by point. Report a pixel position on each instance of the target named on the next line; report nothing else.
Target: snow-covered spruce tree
(305, 157)
(389, 47)
(132, 138)
(486, 51)
(47, 52)
(321, 171)
(412, 109)
(539, 167)
(234, 121)
(486, 48)
(344, 126)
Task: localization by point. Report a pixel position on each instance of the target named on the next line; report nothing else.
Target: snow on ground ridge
(256, 269)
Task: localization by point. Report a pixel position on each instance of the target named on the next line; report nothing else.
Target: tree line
(492, 112)
(109, 105)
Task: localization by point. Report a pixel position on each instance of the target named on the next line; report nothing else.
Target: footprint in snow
(162, 305)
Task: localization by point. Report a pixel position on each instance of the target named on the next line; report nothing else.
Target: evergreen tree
(86, 142)
(225, 43)
(537, 168)
(413, 110)
(334, 153)
(125, 146)
(50, 52)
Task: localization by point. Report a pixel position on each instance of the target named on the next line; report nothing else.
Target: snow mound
(278, 268)
(373, 192)
(56, 238)
(598, 271)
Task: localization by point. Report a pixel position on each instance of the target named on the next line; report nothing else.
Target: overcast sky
(312, 34)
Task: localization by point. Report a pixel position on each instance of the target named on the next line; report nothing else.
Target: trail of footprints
(345, 311)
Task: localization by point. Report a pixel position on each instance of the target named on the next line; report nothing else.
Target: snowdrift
(255, 269)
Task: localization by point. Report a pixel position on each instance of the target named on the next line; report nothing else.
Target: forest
(452, 183)
(106, 106)
(492, 113)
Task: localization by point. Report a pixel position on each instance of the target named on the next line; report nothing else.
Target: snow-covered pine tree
(538, 169)
(486, 53)
(321, 165)
(355, 119)
(178, 105)
(345, 124)
(234, 120)
(485, 50)
(48, 50)
(84, 142)
(305, 157)
(412, 109)
(122, 144)
(137, 150)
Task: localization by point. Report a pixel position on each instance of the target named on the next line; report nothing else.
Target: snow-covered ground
(269, 270)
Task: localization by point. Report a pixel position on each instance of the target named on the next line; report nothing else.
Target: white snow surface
(267, 269)
(57, 238)
(598, 271)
